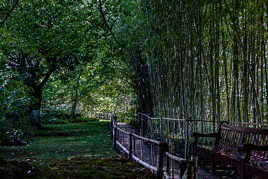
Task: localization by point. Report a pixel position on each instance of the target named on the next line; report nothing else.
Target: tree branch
(41, 85)
(9, 13)
(106, 23)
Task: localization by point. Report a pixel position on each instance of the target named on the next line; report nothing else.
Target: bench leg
(241, 171)
(213, 165)
(213, 168)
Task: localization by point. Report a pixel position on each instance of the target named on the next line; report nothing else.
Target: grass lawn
(74, 150)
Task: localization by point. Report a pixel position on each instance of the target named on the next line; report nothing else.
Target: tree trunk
(35, 107)
(74, 104)
(142, 84)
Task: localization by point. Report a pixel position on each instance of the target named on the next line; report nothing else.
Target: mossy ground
(74, 150)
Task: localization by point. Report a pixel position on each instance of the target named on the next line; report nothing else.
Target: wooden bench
(244, 149)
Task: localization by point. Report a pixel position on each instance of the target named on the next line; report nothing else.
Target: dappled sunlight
(165, 81)
(85, 137)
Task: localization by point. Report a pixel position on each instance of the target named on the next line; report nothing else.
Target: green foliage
(60, 54)
(95, 88)
(45, 37)
(13, 96)
(207, 58)
(11, 137)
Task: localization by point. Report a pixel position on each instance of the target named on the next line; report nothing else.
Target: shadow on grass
(73, 129)
(79, 167)
(73, 150)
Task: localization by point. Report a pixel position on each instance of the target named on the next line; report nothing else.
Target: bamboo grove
(207, 60)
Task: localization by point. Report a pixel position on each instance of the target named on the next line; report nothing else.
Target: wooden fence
(152, 154)
(178, 132)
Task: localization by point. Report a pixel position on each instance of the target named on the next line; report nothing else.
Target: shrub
(13, 136)
(9, 134)
(54, 117)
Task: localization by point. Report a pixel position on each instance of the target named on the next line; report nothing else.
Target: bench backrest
(232, 136)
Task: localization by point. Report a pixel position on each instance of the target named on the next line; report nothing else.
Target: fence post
(135, 120)
(111, 128)
(160, 129)
(130, 147)
(114, 138)
(186, 147)
(142, 125)
(162, 148)
(114, 131)
(194, 167)
(168, 162)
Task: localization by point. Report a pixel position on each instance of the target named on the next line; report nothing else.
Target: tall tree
(44, 37)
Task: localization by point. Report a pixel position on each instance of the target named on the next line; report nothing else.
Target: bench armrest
(197, 135)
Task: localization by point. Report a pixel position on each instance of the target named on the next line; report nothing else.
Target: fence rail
(150, 153)
(177, 167)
